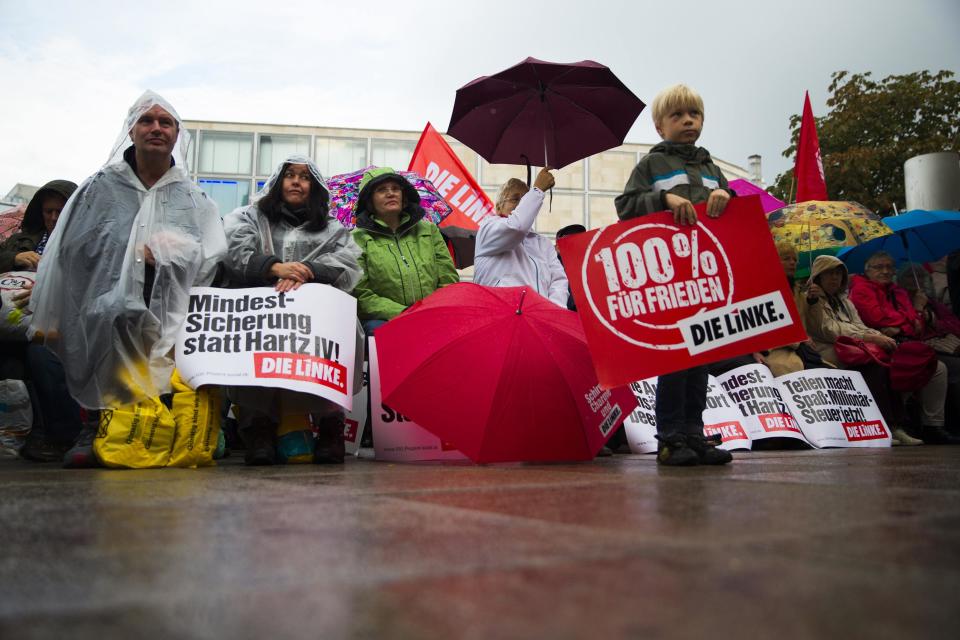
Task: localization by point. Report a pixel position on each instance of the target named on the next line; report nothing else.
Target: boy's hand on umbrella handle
(683, 212)
(545, 180)
(717, 202)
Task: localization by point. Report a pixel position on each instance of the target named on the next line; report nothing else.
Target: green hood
(369, 182)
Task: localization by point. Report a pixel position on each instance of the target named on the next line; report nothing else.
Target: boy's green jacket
(402, 267)
(681, 169)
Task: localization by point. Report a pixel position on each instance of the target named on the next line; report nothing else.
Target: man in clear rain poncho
(284, 239)
(114, 287)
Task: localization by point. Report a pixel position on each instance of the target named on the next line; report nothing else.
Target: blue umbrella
(918, 236)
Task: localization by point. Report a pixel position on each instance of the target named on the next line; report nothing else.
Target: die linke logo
(303, 367)
(726, 430)
(350, 430)
(772, 422)
(869, 430)
(665, 287)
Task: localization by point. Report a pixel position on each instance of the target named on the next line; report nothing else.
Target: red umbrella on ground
(501, 373)
(544, 113)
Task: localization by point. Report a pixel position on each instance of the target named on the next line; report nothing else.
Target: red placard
(435, 160)
(656, 297)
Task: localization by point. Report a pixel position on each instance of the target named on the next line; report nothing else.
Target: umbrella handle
(524, 157)
(523, 294)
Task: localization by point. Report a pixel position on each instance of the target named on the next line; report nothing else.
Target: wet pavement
(814, 544)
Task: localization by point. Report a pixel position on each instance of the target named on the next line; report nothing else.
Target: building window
(392, 153)
(610, 170)
(494, 175)
(565, 209)
(224, 152)
(570, 177)
(340, 155)
(191, 151)
(228, 194)
(274, 149)
(602, 212)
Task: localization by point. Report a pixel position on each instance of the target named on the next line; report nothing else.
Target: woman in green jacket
(404, 257)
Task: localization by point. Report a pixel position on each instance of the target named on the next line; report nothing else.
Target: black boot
(707, 450)
(38, 447)
(329, 447)
(260, 438)
(936, 434)
(673, 451)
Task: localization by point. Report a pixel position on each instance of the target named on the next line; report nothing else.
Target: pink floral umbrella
(345, 188)
(747, 188)
(10, 220)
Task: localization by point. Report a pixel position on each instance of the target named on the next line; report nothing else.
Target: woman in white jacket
(509, 253)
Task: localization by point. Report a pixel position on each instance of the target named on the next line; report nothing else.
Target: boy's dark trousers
(681, 399)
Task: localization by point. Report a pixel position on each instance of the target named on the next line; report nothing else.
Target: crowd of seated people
(114, 279)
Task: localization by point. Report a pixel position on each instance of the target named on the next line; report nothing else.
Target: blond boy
(675, 175)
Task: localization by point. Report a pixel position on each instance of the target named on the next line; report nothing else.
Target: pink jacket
(883, 306)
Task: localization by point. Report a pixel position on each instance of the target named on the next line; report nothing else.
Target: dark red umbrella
(503, 374)
(544, 113)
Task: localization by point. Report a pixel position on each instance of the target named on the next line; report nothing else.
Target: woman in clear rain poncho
(284, 239)
(113, 287)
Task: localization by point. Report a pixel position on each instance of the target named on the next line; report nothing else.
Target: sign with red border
(657, 297)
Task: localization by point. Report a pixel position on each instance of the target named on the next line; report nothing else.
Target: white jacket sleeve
(498, 235)
(558, 281)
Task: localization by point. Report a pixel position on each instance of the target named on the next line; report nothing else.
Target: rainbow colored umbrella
(344, 189)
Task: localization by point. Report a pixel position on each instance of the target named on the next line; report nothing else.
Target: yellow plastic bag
(197, 417)
(135, 436)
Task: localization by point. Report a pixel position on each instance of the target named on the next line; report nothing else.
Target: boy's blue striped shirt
(670, 180)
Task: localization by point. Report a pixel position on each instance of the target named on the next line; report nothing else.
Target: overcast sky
(69, 70)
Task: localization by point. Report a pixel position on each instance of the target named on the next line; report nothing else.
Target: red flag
(435, 160)
(808, 171)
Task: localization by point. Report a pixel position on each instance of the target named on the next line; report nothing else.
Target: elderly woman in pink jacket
(510, 253)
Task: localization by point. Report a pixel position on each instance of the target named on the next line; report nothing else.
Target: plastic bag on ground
(16, 416)
(135, 436)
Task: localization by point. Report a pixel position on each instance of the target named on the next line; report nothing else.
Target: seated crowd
(135, 236)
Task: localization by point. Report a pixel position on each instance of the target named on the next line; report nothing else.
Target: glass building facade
(231, 161)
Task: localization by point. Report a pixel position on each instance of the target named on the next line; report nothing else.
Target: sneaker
(935, 434)
(901, 437)
(39, 448)
(80, 455)
(707, 450)
(329, 447)
(261, 450)
(674, 452)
